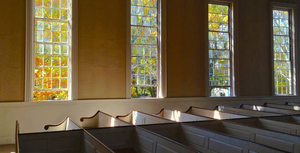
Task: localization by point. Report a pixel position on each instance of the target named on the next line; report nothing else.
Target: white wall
(33, 116)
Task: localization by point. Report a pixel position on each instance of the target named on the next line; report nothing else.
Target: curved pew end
(160, 113)
(57, 127)
(126, 118)
(65, 125)
(101, 119)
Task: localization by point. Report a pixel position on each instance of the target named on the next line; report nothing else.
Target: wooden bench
(63, 137)
(215, 114)
(277, 140)
(101, 119)
(292, 103)
(245, 112)
(268, 109)
(281, 106)
(179, 116)
(267, 123)
(139, 118)
(133, 139)
(207, 141)
(287, 119)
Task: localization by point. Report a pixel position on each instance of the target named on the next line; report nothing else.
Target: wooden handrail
(241, 105)
(190, 108)
(83, 118)
(118, 117)
(54, 125)
(160, 111)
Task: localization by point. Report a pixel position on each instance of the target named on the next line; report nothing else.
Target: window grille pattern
(144, 48)
(282, 54)
(52, 49)
(219, 50)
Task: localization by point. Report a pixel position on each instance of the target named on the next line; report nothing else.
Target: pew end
(126, 118)
(101, 119)
(65, 125)
(160, 113)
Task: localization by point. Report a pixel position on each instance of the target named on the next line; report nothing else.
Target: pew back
(179, 116)
(289, 107)
(277, 140)
(286, 119)
(101, 119)
(268, 124)
(215, 114)
(269, 109)
(205, 140)
(141, 118)
(292, 103)
(135, 139)
(229, 109)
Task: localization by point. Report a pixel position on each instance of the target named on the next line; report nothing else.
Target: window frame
(233, 38)
(30, 55)
(161, 57)
(291, 8)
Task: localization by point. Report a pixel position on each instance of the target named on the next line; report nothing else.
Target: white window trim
(234, 45)
(162, 56)
(29, 54)
(293, 50)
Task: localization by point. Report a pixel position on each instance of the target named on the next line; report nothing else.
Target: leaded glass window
(283, 80)
(220, 80)
(144, 48)
(52, 20)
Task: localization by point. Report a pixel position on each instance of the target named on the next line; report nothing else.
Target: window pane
(282, 63)
(220, 92)
(52, 43)
(144, 40)
(219, 50)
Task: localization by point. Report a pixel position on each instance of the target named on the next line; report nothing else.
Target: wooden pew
(207, 141)
(179, 116)
(268, 109)
(139, 118)
(281, 106)
(101, 119)
(252, 113)
(286, 119)
(132, 139)
(63, 137)
(280, 141)
(268, 124)
(215, 114)
(292, 103)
